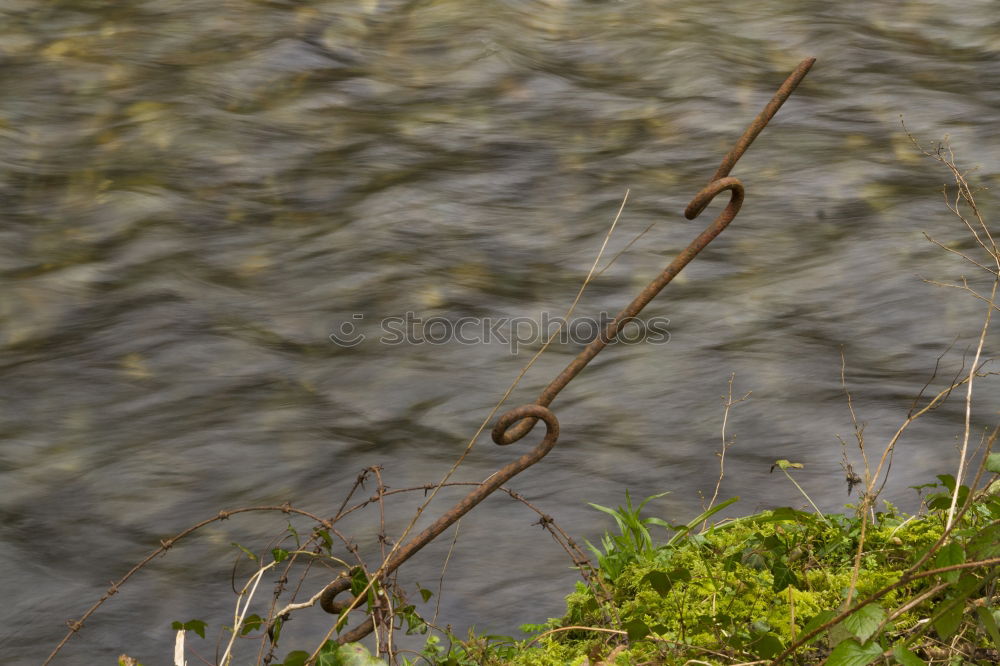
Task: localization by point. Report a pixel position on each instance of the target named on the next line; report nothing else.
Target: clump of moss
(747, 589)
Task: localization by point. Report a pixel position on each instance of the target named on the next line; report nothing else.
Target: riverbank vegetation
(790, 585)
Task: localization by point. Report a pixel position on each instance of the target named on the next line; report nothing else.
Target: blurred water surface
(194, 195)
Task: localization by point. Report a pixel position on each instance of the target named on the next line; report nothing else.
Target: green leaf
(636, 629)
(646, 501)
(783, 577)
(663, 581)
(818, 620)
(425, 594)
(700, 519)
(949, 619)
(986, 617)
(294, 533)
(251, 623)
(993, 463)
(359, 581)
(607, 510)
(280, 554)
(246, 551)
(946, 557)
(781, 515)
(939, 502)
(852, 653)
(864, 621)
(986, 543)
(197, 626)
(784, 464)
(767, 645)
(948, 481)
(329, 655)
(905, 657)
(296, 658)
(327, 539)
(355, 654)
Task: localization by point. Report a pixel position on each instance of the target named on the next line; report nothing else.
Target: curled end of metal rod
(515, 423)
(327, 599)
(509, 429)
(713, 189)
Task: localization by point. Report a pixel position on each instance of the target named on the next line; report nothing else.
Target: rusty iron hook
(515, 423)
(477, 495)
(719, 183)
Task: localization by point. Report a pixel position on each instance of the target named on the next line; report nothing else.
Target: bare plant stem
(728, 403)
(166, 544)
(968, 407)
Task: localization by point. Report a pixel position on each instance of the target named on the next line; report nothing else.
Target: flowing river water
(195, 195)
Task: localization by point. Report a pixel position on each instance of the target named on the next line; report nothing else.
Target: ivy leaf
(425, 594)
(250, 623)
(852, 653)
(354, 654)
(327, 539)
(359, 580)
(197, 626)
(785, 464)
(329, 655)
(296, 658)
(280, 554)
(864, 621)
(993, 463)
(246, 551)
(294, 533)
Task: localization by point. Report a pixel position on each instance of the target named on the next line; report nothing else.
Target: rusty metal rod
(718, 184)
(517, 422)
(467, 503)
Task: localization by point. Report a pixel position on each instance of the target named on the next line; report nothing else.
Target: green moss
(744, 590)
(748, 589)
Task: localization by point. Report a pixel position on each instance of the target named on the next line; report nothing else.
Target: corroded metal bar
(517, 422)
(718, 184)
